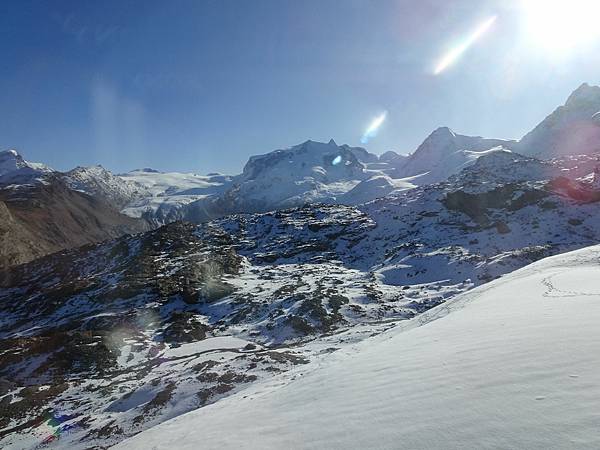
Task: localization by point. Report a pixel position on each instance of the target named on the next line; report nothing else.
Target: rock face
(572, 129)
(116, 337)
(45, 217)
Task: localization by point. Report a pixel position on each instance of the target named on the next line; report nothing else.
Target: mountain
(319, 172)
(391, 156)
(445, 153)
(99, 182)
(14, 169)
(507, 365)
(102, 342)
(45, 216)
(572, 129)
(311, 172)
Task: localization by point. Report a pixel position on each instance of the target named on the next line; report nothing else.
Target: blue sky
(201, 85)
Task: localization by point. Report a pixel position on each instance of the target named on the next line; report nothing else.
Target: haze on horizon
(202, 85)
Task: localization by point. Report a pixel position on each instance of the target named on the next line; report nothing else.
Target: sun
(562, 26)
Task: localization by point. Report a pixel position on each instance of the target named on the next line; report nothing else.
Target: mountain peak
(10, 160)
(10, 155)
(443, 131)
(584, 94)
(440, 137)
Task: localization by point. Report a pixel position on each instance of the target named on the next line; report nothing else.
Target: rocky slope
(47, 216)
(105, 341)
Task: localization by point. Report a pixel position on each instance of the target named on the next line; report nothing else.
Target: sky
(201, 85)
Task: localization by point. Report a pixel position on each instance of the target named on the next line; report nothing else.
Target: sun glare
(562, 26)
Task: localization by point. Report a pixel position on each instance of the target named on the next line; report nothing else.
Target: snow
(207, 345)
(14, 169)
(511, 364)
(173, 182)
(311, 172)
(169, 192)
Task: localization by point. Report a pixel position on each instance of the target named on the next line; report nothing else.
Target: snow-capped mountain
(507, 365)
(14, 169)
(327, 173)
(572, 129)
(97, 181)
(115, 338)
(445, 153)
(311, 172)
(319, 172)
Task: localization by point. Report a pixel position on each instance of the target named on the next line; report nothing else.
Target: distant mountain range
(311, 172)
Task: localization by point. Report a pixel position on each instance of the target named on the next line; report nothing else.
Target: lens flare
(374, 127)
(451, 57)
(56, 426)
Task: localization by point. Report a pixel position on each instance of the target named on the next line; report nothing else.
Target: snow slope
(511, 364)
